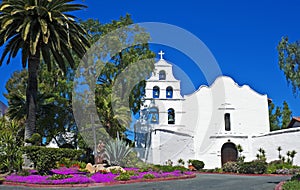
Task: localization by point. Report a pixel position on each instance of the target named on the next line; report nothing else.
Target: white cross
(161, 53)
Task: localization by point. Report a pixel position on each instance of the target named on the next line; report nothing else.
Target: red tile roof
(296, 118)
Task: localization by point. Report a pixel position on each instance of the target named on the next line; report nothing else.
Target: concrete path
(202, 181)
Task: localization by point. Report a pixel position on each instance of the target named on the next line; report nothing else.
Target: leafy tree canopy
(289, 62)
(279, 117)
(112, 94)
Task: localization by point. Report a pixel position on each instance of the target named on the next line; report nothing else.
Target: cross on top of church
(161, 53)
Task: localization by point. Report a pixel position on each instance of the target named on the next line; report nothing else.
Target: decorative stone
(89, 167)
(192, 168)
(118, 168)
(99, 167)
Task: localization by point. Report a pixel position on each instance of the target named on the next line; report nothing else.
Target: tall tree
(280, 116)
(40, 29)
(54, 110)
(107, 84)
(289, 62)
(286, 115)
(274, 116)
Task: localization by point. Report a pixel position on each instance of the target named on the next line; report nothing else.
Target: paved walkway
(202, 181)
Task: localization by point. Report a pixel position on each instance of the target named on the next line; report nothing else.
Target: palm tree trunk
(31, 94)
(31, 99)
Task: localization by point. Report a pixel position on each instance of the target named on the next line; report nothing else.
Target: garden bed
(72, 177)
(231, 173)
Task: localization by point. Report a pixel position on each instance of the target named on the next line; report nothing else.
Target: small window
(169, 92)
(171, 116)
(162, 75)
(227, 121)
(155, 92)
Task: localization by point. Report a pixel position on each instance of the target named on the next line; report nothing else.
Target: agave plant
(116, 150)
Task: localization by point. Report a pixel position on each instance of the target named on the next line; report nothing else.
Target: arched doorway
(229, 153)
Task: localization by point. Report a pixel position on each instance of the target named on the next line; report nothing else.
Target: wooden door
(228, 153)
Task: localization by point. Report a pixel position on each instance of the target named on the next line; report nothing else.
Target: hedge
(254, 167)
(197, 164)
(44, 159)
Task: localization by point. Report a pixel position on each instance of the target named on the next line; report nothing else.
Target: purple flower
(75, 179)
(103, 178)
(188, 173)
(37, 179)
(78, 177)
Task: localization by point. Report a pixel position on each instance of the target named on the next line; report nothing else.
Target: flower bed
(73, 176)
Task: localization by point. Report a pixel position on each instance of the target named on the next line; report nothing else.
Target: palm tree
(114, 120)
(279, 149)
(288, 156)
(293, 153)
(262, 154)
(40, 29)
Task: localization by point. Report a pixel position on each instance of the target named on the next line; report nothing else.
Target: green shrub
(68, 162)
(114, 171)
(65, 162)
(280, 167)
(296, 177)
(144, 169)
(180, 168)
(1, 180)
(197, 164)
(45, 159)
(82, 165)
(131, 172)
(59, 176)
(148, 176)
(24, 173)
(231, 167)
(10, 151)
(83, 170)
(35, 139)
(132, 161)
(218, 170)
(123, 177)
(271, 169)
(275, 162)
(254, 167)
(291, 185)
(163, 168)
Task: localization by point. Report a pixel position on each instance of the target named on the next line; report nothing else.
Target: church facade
(208, 124)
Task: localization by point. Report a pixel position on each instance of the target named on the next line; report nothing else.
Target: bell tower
(161, 112)
(163, 92)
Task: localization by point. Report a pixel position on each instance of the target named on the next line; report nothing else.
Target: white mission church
(208, 124)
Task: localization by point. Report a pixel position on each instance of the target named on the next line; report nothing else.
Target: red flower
(76, 165)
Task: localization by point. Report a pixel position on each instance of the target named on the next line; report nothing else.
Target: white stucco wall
(288, 139)
(205, 110)
(199, 129)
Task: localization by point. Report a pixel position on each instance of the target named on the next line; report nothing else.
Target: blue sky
(242, 36)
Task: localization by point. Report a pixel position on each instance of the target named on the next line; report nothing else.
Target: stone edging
(279, 185)
(228, 173)
(9, 183)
